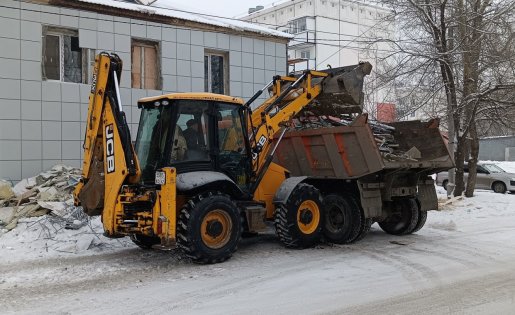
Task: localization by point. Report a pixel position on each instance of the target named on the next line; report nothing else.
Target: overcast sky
(225, 8)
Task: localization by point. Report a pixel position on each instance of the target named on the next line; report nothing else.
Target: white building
(332, 32)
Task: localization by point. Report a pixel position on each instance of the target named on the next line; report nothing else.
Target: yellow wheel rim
(308, 217)
(216, 229)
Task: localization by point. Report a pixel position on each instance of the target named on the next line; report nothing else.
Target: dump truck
(202, 173)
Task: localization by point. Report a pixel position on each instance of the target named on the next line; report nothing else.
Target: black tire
(404, 220)
(422, 218)
(342, 219)
(209, 228)
(303, 204)
(444, 184)
(145, 242)
(364, 228)
(499, 187)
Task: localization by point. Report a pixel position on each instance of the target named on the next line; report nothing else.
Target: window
(297, 26)
(88, 62)
(146, 72)
(304, 54)
(63, 59)
(216, 72)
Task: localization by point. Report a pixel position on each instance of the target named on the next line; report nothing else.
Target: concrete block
(122, 43)
(30, 50)
(51, 130)
(259, 61)
(10, 88)
(51, 111)
(84, 91)
(10, 109)
(235, 88)
(73, 163)
(51, 91)
(247, 74)
(71, 112)
(31, 31)
(30, 110)
(10, 12)
(31, 70)
(234, 58)
(197, 70)
(183, 51)
(70, 92)
(183, 36)
(122, 28)
(269, 75)
(10, 150)
(169, 33)
(50, 18)
(69, 12)
(154, 31)
(184, 84)
(126, 80)
(136, 95)
(135, 114)
(247, 60)
(197, 84)
(9, 28)
(170, 83)
(270, 63)
(169, 49)
(184, 68)
(259, 76)
(31, 90)
(235, 73)
(30, 130)
(235, 43)
(105, 23)
(84, 109)
(270, 48)
(31, 150)
(30, 11)
(51, 150)
(87, 38)
(197, 38)
(88, 20)
(71, 131)
(105, 41)
(125, 94)
(280, 50)
(48, 164)
(10, 68)
(69, 21)
(247, 44)
(138, 28)
(197, 53)
(210, 40)
(259, 46)
(247, 90)
(222, 41)
(31, 168)
(280, 65)
(10, 48)
(10, 170)
(169, 66)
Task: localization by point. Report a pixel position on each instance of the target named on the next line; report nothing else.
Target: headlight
(160, 178)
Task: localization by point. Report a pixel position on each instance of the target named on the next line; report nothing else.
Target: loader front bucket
(342, 90)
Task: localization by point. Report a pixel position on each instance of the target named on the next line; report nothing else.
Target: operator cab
(193, 132)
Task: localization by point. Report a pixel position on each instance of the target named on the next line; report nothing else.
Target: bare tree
(459, 54)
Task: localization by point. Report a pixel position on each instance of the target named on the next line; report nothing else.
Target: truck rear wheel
(298, 222)
(209, 228)
(342, 219)
(422, 217)
(404, 220)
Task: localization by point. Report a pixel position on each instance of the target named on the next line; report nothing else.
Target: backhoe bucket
(342, 90)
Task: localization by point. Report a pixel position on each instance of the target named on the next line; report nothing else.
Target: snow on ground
(461, 261)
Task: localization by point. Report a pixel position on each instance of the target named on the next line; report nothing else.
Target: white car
(489, 176)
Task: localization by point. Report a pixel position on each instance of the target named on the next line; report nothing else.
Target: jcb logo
(110, 148)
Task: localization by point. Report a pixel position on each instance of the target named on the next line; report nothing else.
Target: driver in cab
(192, 135)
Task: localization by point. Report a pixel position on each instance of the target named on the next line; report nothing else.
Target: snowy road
(463, 261)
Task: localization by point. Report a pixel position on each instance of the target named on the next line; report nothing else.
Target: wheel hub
(214, 228)
(306, 216)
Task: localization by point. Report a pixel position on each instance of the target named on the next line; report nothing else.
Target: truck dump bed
(354, 151)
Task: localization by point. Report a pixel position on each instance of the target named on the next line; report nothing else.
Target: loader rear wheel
(209, 228)
(342, 219)
(404, 220)
(144, 241)
(298, 222)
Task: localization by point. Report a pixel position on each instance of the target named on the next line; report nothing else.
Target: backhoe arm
(109, 157)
